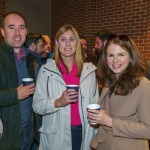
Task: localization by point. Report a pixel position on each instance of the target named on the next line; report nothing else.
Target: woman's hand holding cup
(68, 96)
(97, 116)
(93, 110)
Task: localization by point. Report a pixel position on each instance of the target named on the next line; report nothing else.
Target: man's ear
(32, 47)
(2, 32)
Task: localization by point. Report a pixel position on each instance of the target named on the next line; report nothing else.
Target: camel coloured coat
(130, 120)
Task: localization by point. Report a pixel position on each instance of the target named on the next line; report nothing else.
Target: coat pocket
(50, 137)
(49, 129)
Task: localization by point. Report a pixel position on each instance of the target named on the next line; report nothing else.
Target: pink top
(71, 78)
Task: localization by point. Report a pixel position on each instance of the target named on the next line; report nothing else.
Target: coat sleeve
(8, 97)
(42, 104)
(8, 80)
(136, 129)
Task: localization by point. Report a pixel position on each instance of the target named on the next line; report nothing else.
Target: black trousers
(76, 134)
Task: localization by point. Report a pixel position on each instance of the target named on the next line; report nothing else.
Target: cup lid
(93, 106)
(27, 79)
(72, 85)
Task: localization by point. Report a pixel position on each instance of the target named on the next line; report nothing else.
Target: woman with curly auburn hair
(124, 122)
(64, 111)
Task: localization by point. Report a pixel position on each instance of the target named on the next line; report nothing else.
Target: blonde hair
(78, 54)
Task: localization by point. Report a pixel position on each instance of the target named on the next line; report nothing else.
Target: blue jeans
(26, 137)
(76, 135)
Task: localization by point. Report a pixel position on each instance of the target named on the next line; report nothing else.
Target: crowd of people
(45, 115)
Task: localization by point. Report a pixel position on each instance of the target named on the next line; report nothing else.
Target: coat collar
(87, 69)
(52, 68)
(103, 94)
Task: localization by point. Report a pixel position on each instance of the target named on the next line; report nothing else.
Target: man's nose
(17, 31)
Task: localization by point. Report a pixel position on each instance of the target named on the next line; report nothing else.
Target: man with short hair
(15, 99)
(35, 44)
(100, 40)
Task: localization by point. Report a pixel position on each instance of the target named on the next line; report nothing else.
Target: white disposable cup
(95, 107)
(27, 81)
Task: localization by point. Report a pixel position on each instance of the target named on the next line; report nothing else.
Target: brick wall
(120, 16)
(88, 16)
(2, 11)
(68, 12)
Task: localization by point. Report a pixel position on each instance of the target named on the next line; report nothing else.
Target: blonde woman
(65, 125)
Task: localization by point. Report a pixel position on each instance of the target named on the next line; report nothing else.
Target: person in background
(124, 116)
(85, 56)
(47, 48)
(15, 99)
(35, 44)
(100, 41)
(65, 124)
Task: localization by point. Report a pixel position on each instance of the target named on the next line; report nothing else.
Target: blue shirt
(26, 104)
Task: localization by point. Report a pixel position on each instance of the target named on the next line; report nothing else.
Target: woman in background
(65, 125)
(124, 117)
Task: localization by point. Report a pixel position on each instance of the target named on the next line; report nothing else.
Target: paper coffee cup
(73, 86)
(93, 106)
(27, 81)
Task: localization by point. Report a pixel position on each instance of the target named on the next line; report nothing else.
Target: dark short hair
(32, 38)
(103, 34)
(12, 12)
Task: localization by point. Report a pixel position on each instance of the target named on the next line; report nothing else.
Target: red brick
(2, 11)
(122, 17)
